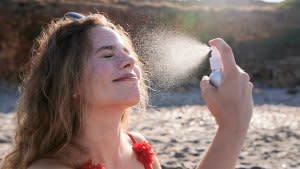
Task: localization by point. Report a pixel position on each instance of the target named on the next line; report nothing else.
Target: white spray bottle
(216, 67)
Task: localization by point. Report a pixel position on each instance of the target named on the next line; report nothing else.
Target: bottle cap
(215, 59)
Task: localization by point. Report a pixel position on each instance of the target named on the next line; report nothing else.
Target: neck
(101, 134)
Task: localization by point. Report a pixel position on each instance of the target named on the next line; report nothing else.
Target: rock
(179, 155)
(169, 167)
(292, 91)
(257, 167)
(168, 136)
(23, 22)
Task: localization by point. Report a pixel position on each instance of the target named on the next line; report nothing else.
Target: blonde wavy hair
(48, 117)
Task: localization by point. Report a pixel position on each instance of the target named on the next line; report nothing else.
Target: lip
(126, 77)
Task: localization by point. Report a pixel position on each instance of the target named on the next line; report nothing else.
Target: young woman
(85, 78)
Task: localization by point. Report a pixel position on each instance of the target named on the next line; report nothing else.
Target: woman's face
(111, 74)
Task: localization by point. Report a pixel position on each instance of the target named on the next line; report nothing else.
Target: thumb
(207, 89)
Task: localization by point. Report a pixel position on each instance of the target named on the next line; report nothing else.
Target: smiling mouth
(133, 78)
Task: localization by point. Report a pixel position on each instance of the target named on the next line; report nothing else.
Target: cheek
(100, 68)
(137, 71)
(100, 77)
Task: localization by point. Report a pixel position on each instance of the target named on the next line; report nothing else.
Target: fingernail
(205, 77)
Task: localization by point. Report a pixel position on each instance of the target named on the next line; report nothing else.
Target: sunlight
(270, 1)
(273, 1)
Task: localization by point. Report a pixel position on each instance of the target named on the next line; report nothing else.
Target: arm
(231, 105)
(223, 152)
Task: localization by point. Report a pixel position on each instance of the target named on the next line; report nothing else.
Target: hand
(231, 103)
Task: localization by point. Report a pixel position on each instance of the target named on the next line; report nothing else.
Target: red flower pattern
(143, 151)
(89, 165)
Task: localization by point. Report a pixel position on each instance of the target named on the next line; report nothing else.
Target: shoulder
(48, 164)
(137, 136)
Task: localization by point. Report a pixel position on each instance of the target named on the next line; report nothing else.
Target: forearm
(231, 104)
(224, 150)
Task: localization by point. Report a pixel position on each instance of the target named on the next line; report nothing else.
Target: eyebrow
(109, 47)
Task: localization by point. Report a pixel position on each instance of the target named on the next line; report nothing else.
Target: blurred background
(265, 38)
(264, 35)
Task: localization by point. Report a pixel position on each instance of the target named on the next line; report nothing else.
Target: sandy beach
(180, 128)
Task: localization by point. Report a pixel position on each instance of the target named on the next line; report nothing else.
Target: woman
(85, 78)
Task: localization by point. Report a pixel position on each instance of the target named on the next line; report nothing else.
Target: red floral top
(143, 150)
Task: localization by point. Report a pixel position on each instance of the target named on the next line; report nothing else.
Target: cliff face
(20, 24)
(22, 21)
(265, 40)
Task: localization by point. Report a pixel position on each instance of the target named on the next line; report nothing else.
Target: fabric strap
(131, 137)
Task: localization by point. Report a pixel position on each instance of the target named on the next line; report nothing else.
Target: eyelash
(108, 56)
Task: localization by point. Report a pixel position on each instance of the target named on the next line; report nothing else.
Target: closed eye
(108, 56)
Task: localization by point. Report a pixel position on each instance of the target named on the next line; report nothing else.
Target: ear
(77, 91)
(74, 95)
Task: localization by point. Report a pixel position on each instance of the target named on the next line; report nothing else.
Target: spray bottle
(215, 66)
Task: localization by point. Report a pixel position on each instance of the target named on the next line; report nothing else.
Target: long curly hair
(48, 117)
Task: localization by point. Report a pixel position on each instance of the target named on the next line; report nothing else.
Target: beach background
(265, 38)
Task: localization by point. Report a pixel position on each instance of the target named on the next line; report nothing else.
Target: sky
(275, 1)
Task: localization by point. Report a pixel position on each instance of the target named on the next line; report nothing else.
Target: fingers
(206, 87)
(204, 83)
(245, 76)
(239, 68)
(251, 89)
(231, 69)
(226, 53)
(250, 85)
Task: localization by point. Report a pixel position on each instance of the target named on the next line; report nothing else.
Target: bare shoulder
(138, 136)
(48, 164)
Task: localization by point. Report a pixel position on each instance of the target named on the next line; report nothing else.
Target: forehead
(104, 36)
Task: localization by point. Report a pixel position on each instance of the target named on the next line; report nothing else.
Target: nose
(127, 61)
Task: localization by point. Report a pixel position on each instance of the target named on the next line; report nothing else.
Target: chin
(131, 98)
(127, 99)
(133, 101)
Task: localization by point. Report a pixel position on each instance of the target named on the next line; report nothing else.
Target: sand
(182, 134)
(180, 128)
